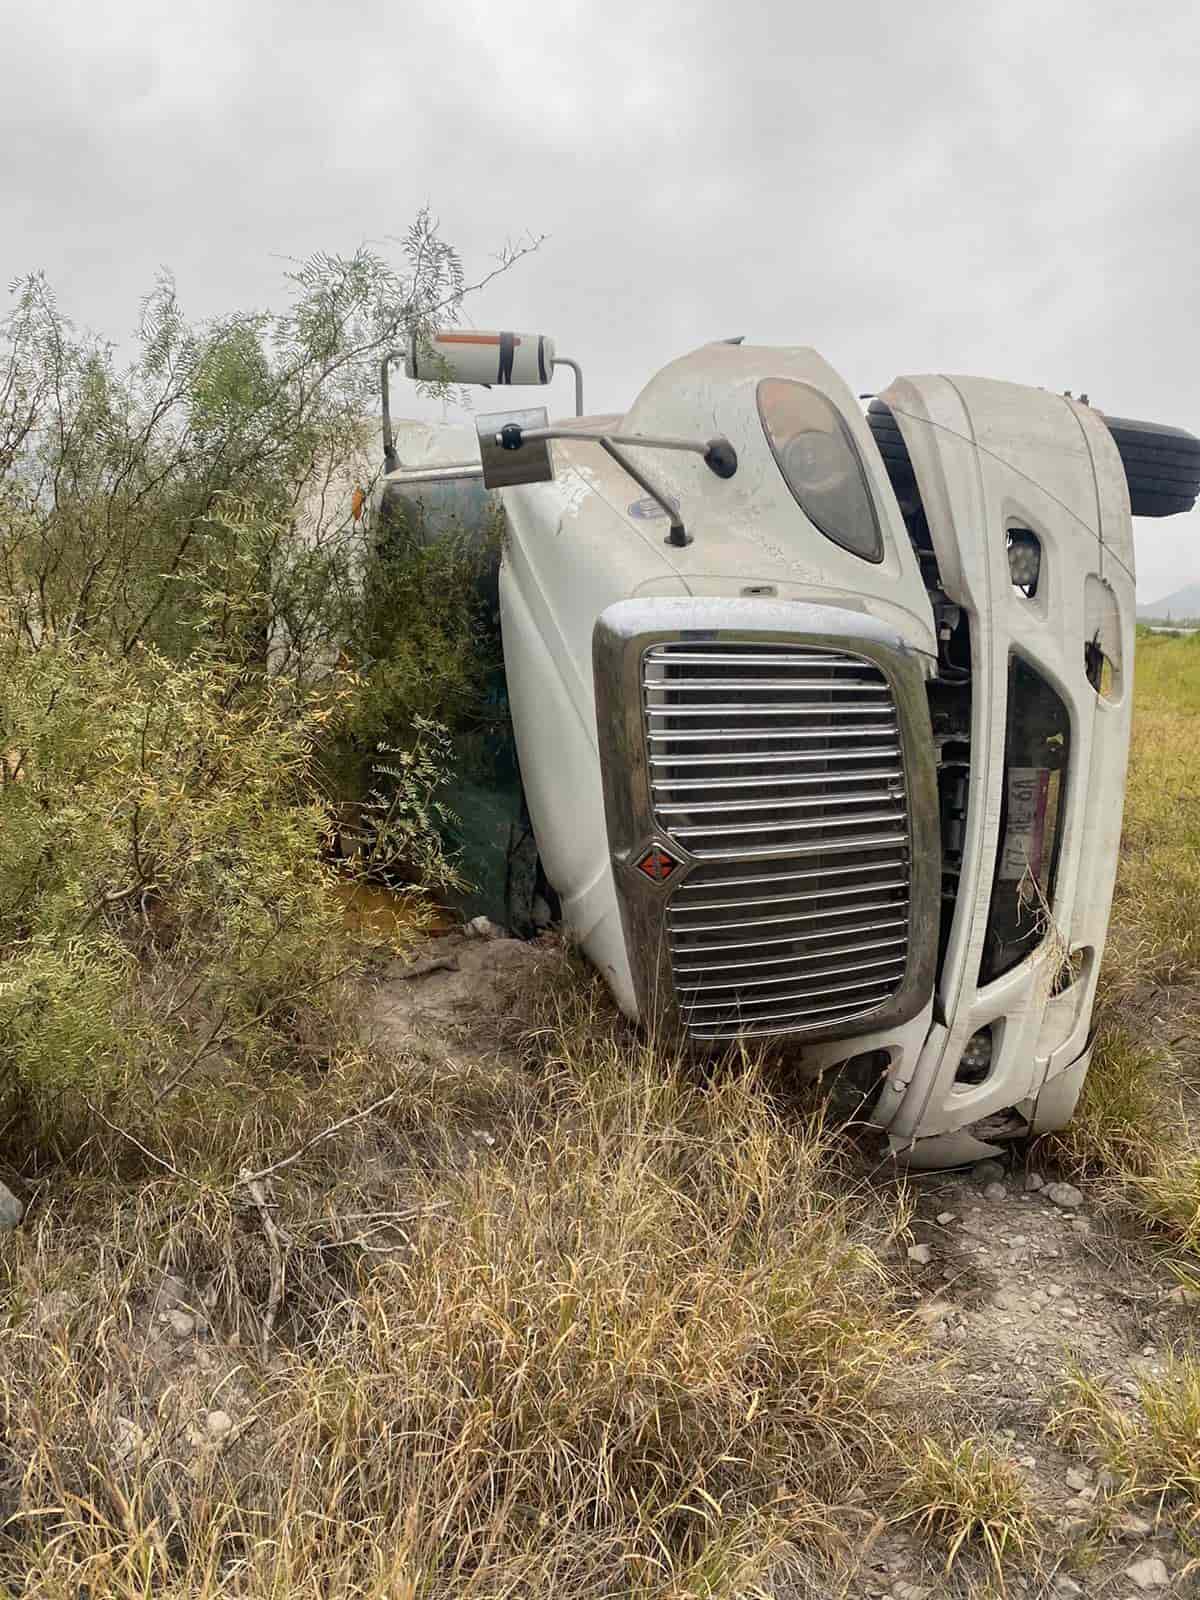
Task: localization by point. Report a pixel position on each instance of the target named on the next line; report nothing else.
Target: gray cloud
(1007, 190)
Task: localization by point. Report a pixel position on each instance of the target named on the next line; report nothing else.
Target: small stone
(1147, 1349)
(1066, 1586)
(1149, 1574)
(995, 1191)
(945, 1218)
(11, 1209)
(484, 928)
(1080, 1225)
(1033, 1182)
(129, 1438)
(172, 1292)
(1008, 1300)
(920, 1254)
(909, 1591)
(1181, 1295)
(1134, 1527)
(1078, 1478)
(217, 1424)
(987, 1172)
(1065, 1195)
(182, 1323)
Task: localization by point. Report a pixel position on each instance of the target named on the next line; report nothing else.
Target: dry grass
(642, 1342)
(1150, 1445)
(969, 1496)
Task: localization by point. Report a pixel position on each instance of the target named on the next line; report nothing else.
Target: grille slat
(742, 735)
(718, 947)
(678, 910)
(743, 1001)
(871, 775)
(829, 949)
(780, 770)
(774, 922)
(768, 685)
(867, 707)
(740, 985)
(791, 803)
(786, 825)
(765, 758)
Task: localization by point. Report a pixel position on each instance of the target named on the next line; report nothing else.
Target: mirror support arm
(390, 459)
(678, 534)
(565, 361)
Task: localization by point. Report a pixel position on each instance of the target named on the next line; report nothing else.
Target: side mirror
(469, 355)
(505, 462)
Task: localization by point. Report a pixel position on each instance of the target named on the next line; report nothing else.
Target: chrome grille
(780, 769)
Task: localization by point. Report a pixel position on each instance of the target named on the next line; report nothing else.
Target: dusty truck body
(823, 720)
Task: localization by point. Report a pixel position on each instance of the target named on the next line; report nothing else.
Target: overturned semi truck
(822, 716)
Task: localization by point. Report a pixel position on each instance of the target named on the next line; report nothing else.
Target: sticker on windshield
(1025, 829)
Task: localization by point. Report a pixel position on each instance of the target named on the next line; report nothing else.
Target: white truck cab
(823, 717)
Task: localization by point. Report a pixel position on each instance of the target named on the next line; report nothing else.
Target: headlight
(816, 453)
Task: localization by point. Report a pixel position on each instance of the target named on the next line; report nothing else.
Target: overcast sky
(1007, 188)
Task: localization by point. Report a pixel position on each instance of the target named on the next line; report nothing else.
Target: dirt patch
(1017, 1289)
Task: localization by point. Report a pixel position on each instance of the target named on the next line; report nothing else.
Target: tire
(892, 448)
(1162, 466)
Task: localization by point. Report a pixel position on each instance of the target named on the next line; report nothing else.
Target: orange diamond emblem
(657, 864)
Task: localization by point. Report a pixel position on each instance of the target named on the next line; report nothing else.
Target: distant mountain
(1175, 607)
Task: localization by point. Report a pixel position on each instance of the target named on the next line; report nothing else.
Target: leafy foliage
(200, 649)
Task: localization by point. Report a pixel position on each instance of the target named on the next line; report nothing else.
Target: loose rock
(1077, 1478)
(921, 1254)
(987, 1172)
(995, 1191)
(11, 1209)
(945, 1218)
(1065, 1195)
(217, 1424)
(1033, 1182)
(182, 1323)
(1149, 1574)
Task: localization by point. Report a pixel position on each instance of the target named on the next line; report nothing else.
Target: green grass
(1135, 1127)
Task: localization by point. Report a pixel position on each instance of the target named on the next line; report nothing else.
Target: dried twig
(159, 1161)
(277, 1241)
(320, 1138)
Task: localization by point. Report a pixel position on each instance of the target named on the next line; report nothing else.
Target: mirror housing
(472, 355)
(506, 464)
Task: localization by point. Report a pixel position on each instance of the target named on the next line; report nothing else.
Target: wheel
(1162, 466)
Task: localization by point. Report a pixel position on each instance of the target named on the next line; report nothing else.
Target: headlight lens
(816, 454)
